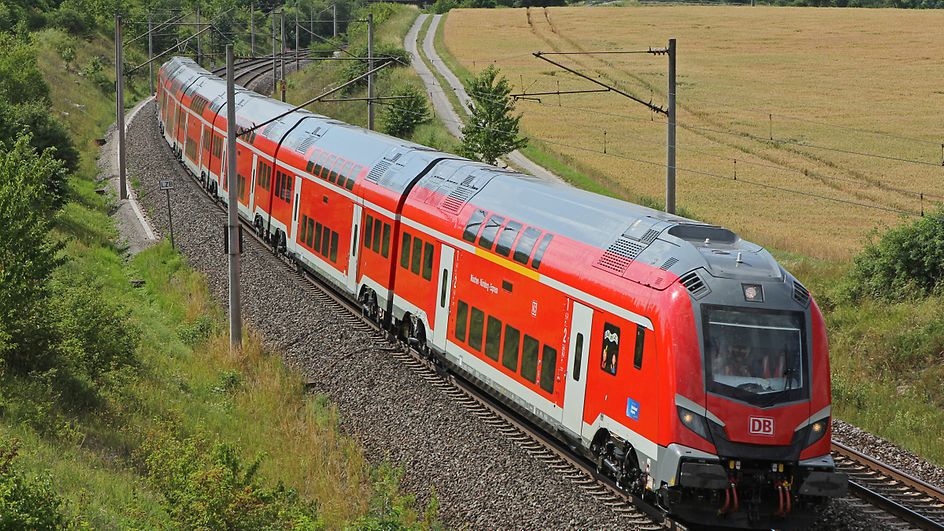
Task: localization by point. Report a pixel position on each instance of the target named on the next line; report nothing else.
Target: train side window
(325, 241)
(490, 231)
(417, 255)
(304, 230)
(476, 323)
(609, 355)
(539, 254)
(385, 243)
(578, 356)
(311, 230)
(640, 345)
(507, 238)
(334, 246)
(462, 320)
(405, 251)
(333, 174)
(428, 261)
(529, 358)
(473, 226)
(548, 368)
(317, 245)
(493, 337)
(510, 350)
(377, 228)
(526, 244)
(368, 230)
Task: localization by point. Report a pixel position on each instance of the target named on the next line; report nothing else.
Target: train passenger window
(473, 226)
(349, 184)
(317, 245)
(385, 243)
(609, 355)
(529, 358)
(428, 261)
(578, 356)
(507, 238)
(325, 241)
(548, 368)
(526, 244)
(510, 350)
(462, 320)
(376, 245)
(493, 337)
(405, 251)
(539, 254)
(334, 246)
(304, 228)
(640, 344)
(476, 322)
(311, 230)
(417, 256)
(333, 174)
(490, 231)
(368, 230)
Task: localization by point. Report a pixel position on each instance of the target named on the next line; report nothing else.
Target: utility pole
(334, 10)
(296, 40)
(232, 225)
(311, 27)
(275, 70)
(199, 49)
(282, 55)
(150, 54)
(370, 66)
(670, 135)
(120, 109)
(252, 30)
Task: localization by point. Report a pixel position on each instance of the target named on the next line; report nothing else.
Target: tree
(492, 130)
(402, 116)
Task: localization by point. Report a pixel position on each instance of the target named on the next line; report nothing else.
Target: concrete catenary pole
(120, 109)
(670, 136)
(232, 224)
(275, 64)
(296, 40)
(334, 16)
(150, 55)
(370, 66)
(199, 49)
(311, 27)
(252, 30)
(282, 56)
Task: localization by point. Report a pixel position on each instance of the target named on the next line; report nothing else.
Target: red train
(681, 358)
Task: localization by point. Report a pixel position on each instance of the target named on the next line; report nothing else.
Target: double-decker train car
(683, 359)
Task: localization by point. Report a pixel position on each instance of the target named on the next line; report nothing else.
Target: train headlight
(817, 430)
(693, 421)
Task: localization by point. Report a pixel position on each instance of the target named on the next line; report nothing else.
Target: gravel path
(482, 479)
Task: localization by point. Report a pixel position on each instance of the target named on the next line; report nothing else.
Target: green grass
(187, 382)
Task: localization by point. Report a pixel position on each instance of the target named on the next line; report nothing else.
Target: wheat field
(842, 93)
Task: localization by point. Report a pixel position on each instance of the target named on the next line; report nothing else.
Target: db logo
(762, 425)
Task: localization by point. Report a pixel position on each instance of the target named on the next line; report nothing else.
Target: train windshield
(755, 356)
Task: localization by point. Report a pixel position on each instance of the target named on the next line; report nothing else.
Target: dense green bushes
(402, 116)
(26, 502)
(907, 262)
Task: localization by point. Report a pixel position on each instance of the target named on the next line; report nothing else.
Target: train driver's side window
(609, 353)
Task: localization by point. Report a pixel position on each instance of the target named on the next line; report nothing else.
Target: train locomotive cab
(750, 441)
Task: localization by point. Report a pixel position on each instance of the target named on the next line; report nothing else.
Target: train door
(296, 204)
(577, 361)
(446, 259)
(355, 248)
(252, 186)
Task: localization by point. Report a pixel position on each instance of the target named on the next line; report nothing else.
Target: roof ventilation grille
(650, 236)
(306, 143)
(801, 294)
(694, 284)
(378, 170)
(457, 199)
(669, 263)
(619, 255)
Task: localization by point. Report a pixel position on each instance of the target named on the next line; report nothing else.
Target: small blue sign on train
(632, 409)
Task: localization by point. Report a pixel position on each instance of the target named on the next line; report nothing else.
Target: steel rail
(865, 484)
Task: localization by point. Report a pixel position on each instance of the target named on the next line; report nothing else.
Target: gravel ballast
(481, 479)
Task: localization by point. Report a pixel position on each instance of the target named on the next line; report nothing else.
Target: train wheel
(369, 306)
(631, 475)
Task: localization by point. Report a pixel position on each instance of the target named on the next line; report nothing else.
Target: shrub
(401, 116)
(72, 21)
(20, 78)
(46, 132)
(905, 263)
(26, 502)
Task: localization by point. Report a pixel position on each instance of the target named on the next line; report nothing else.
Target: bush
(208, 486)
(72, 21)
(26, 502)
(401, 117)
(20, 78)
(46, 132)
(905, 263)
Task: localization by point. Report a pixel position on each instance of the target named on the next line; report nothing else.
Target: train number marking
(762, 426)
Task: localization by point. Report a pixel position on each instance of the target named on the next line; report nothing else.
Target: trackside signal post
(232, 218)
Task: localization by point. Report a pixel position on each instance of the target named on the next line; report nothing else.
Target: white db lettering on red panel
(762, 426)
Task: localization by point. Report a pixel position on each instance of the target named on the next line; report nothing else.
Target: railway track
(912, 501)
(248, 71)
(904, 501)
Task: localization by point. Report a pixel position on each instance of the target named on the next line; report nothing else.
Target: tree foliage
(26, 502)
(20, 78)
(401, 117)
(491, 131)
